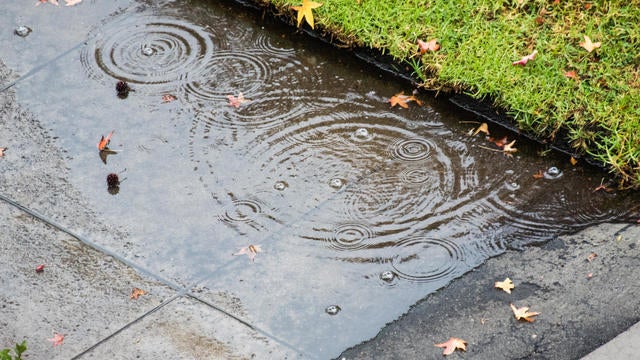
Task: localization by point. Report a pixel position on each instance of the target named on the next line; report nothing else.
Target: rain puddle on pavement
(359, 209)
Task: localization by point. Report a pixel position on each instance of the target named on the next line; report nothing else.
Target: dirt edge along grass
(588, 101)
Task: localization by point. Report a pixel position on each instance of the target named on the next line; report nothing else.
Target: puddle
(360, 209)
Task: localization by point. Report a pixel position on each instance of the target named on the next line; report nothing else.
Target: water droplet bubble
(387, 276)
(552, 173)
(280, 185)
(22, 31)
(147, 51)
(362, 135)
(336, 183)
(332, 309)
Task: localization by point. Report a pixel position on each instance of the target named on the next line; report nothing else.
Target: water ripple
(423, 259)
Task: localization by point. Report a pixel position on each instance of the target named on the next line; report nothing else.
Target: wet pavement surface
(359, 210)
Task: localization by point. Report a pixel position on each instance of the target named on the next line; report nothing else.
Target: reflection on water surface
(358, 207)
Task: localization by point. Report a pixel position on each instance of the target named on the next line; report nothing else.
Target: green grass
(597, 114)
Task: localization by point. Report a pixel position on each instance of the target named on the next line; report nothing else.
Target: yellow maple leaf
(451, 345)
(588, 45)
(523, 313)
(482, 128)
(305, 11)
(505, 285)
(402, 100)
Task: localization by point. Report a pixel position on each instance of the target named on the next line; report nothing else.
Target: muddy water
(359, 209)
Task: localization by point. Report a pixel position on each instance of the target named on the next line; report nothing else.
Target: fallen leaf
(236, 101)
(72, 2)
(168, 98)
(57, 339)
(305, 11)
(484, 128)
(525, 59)
(505, 285)
(573, 161)
(136, 292)
(508, 148)
(104, 141)
(588, 45)
(431, 45)
(2, 150)
(40, 268)
(571, 74)
(54, 2)
(591, 257)
(451, 345)
(538, 175)
(589, 275)
(402, 100)
(499, 142)
(523, 313)
(602, 187)
(250, 251)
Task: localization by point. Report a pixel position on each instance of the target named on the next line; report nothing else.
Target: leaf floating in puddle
(136, 292)
(402, 100)
(168, 98)
(236, 101)
(250, 251)
(104, 141)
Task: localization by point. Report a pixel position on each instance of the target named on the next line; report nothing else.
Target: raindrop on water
(362, 134)
(336, 183)
(552, 173)
(332, 309)
(147, 51)
(387, 276)
(22, 31)
(280, 185)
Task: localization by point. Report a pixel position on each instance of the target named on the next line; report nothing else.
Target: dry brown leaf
(484, 128)
(523, 313)
(451, 345)
(591, 257)
(588, 45)
(505, 285)
(136, 292)
(402, 100)
(508, 148)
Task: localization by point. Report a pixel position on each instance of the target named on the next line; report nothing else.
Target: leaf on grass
(525, 59)
(72, 2)
(236, 101)
(305, 11)
(523, 313)
(451, 345)
(484, 128)
(402, 100)
(136, 292)
(168, 98)
(588, 45)
(40, 268)
(505, 285)
(57, 339)
(104, 141)
(431, 45)
(250, 251)
(571, 74)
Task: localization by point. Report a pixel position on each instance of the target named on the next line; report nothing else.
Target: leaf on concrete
(505, 285)
(523, 313)
(451, 345)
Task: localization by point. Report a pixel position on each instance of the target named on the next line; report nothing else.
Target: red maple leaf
(57, 339)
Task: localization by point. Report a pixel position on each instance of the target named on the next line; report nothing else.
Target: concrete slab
(188, 329)
(81, 293)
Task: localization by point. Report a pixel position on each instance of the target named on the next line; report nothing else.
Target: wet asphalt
(583, 285)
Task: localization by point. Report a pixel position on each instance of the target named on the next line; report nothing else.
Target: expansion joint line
(113, 334)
